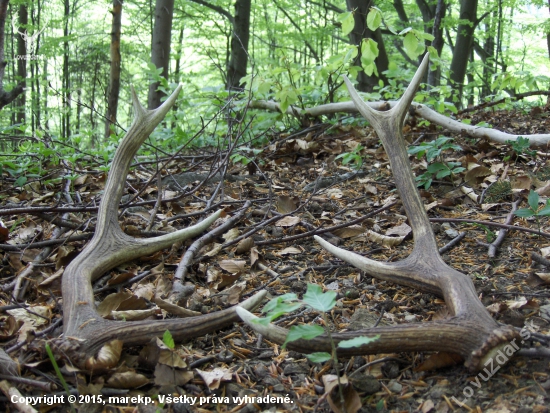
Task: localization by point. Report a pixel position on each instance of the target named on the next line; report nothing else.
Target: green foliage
(316, 299)
(354, 157)
(436, 170)
(533, 208)
(434, 149)
(521, 147)
(58, 374)
(168, 340)
(357, 341)
(490, 235)
(498, 190)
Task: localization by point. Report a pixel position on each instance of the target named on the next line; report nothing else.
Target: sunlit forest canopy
(77, 61)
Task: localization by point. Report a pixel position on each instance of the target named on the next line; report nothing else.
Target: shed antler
(470, 331)
(85, 331)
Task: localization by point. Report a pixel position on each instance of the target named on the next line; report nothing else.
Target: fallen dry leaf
(289, 251)
(170, 376)
(213, 378)
(288, 221)
(127, 380)
(349, 232)
(285, 204)
(107, 357)
(233, 266)
(244, 245)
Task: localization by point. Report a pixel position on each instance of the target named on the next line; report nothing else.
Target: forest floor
(235, 362)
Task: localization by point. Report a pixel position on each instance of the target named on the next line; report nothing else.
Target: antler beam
(470, 331)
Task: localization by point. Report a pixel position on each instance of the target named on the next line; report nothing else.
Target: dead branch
(470, 331)
(535, 140)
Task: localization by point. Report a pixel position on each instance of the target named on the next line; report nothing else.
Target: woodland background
(249, 71)
(79, 59)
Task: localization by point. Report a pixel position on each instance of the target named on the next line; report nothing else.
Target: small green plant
(438, 170)
(432, 151)
(533, 209)
(321, 302)
(490, 235)
(497, 191)
(241, 157)
(521, 147)
(353, 158)
(168, 340)
(58, 373)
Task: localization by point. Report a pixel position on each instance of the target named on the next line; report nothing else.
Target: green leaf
(533, 200)
(347, 21)
(436, 167)
(22, 180)
(319, 357)
(544, 212)
(277, 300)
(374, 18)
(524, 213)
(357, 341)
(168, 340)
(316, 299)
(411, 43)
(427, 36)
(281, 309)
(306, 332)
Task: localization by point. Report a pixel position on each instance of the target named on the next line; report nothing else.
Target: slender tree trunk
(463, 45)
(66, 123)
(238, 61)
(400, 9)
(548, 35)
(5, 97)
(35, 77)
(22, 63)
(470, 77)
(434, 76)
(360, 32)
(160, 49)
(114, 79)
(488, 57)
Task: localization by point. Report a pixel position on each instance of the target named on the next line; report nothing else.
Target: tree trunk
(238, 61)
(400, 9)
(114, 81)
(5, 97)
(66, 116)
(464, 40)
(434, 76)
(22, 63)
(488, 57)
(160, 49)
(361, 31)
(548, 35)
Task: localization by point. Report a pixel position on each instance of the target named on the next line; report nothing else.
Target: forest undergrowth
(331, 180)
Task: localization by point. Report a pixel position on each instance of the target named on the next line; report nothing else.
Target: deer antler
(85, 331)
(470, 331)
